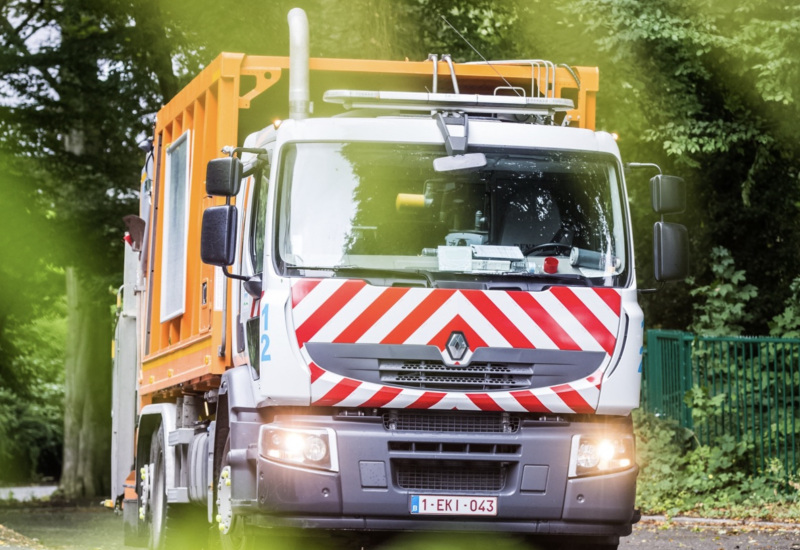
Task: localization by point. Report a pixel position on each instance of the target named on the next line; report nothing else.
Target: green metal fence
(759, 377)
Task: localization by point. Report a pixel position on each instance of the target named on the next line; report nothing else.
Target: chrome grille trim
(437, 375)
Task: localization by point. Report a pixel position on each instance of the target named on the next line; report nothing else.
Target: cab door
(251, 259)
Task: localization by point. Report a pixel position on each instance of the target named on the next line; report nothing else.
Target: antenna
(481, 55)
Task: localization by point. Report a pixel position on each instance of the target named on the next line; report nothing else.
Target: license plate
(453, 505)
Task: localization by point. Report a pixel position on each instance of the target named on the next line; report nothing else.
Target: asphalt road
(98, 529)
(710, 535)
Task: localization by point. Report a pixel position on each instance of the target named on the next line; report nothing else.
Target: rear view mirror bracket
(218, 234)
(670, 240)
(454, 144)
(224, 175)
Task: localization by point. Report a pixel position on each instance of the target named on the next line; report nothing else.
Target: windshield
(357, 207)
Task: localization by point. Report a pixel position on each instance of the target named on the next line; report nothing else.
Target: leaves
(707, 90)
(31, 429)
(721, 306)
(787, 323)
(677, 477)
(77, 89)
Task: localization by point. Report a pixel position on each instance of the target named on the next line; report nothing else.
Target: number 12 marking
(265, 356)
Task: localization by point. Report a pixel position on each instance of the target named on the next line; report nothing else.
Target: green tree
(81, 80)
(722, 307)
(708, 90)
(31, 338)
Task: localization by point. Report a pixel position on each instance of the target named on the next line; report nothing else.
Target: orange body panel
(183, 353)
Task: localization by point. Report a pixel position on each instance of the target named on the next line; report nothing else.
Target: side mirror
(670, 251)
(218, 236)
(668, 194)
(224, 177)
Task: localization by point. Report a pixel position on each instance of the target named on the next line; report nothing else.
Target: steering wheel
(557, 247)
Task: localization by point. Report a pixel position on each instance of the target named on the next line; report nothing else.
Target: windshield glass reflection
(377, 206)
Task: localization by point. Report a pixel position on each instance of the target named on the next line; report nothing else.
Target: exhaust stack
(298, 64)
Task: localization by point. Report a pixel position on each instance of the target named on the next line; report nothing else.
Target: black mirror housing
(218, 236)
(668, 194)
(670, 251)
(253, 286)
(224, 177)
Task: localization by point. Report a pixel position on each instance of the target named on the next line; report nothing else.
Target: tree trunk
(87, 410)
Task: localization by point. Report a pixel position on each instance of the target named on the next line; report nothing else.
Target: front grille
(430, 422)
(437, 375)
(456, 476)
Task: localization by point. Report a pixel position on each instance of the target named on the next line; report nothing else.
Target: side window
(176, 216)
(258, 220)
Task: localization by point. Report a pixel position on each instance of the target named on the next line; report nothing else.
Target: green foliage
(749, 388)
(787, 323)
(707, 90)
(80, 81)
(659, 453)
(703, 406)
(31, 416)
(678, 476)
(32, 335)
(737, 391)
(722, 305)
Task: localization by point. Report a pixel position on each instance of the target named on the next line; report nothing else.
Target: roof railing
(449, 103)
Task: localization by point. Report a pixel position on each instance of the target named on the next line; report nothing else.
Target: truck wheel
(232, 535)
(172, 526)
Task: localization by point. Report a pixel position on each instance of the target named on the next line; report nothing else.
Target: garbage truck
(366, 296)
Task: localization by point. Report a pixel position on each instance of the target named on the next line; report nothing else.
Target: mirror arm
(259, 164)
(638, 165)
(233, 275)
(230, 151)
(659, 288)
(454, 145)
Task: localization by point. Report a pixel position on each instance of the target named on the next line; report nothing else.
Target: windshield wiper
(555, 278)
(355, 270)
(397, 275)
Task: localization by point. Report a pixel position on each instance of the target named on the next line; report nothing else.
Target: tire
(232, 532)
(172, 526)
(232, 536)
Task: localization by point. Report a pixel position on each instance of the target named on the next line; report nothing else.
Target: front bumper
(380, 467)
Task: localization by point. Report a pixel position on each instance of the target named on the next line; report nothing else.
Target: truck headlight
(313, 448)
(594, 455)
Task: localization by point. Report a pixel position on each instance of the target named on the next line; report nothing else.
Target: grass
(66, 527)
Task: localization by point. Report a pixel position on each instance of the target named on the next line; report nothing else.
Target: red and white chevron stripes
(352, 311)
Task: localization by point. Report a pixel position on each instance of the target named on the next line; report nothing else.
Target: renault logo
(457, 346)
